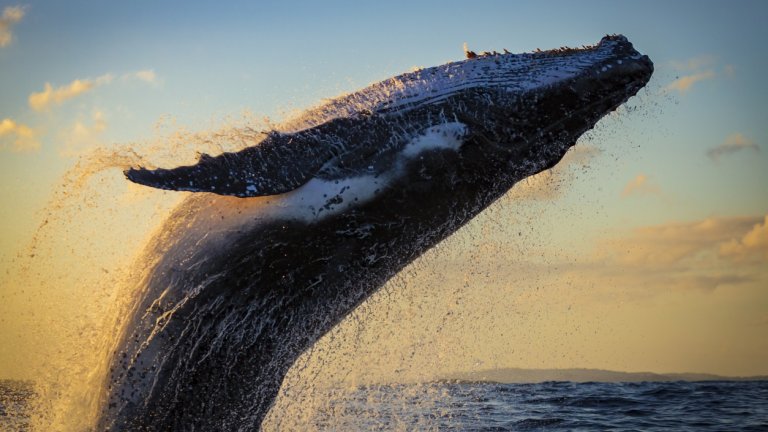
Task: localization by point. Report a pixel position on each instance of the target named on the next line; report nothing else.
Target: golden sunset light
(643, 249)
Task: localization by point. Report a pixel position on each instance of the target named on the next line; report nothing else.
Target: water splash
(87, 271)
(66, 292)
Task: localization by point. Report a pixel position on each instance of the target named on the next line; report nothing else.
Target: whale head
(522, 103)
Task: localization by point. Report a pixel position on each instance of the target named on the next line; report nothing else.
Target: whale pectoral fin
(280, 163)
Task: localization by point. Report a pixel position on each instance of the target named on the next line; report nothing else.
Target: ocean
(550, 406)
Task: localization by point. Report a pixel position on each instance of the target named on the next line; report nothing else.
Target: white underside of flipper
(320, 198)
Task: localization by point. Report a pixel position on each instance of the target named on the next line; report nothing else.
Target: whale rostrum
(239, 288)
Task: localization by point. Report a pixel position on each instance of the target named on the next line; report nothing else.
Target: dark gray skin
(247, 302)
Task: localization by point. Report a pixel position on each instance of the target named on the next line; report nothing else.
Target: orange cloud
(684, 83)
(56, 96)
(22, 137)
(694, 63)
(752, 246)
(50, 96)
(733, 143)
(699, 255)
(671, 243)
(11, 15)
(641, 185)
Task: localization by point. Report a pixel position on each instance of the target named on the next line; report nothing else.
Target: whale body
(298, 230)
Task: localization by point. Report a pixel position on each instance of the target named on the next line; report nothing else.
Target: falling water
(73, 287)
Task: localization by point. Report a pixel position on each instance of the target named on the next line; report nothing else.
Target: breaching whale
(238, 288)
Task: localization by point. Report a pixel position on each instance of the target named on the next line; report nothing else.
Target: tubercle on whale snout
(226, 312)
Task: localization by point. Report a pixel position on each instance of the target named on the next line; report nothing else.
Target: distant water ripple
(551, 406)
(650, 406)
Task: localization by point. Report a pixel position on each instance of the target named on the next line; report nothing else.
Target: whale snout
(626, 67)
(611, 81)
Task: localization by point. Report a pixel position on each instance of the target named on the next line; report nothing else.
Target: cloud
(82, 137)
(146, 75)
(694, 63)
(733, 143)
(696, 68)
(11, 15)
(50, 96)
(641, 185)
(43, 100)
(684, 83)
(22, 137)
(669, 244)
(701, 255)
(751, 246)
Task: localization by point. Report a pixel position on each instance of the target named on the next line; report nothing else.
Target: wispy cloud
(684, 83)
(22, 138)
(694, 63)
(641, 185)
(751, 246)
(735, 142)
(11, 16)
(668, 244)
(83, 137)
(699, 255)
(695, 70)
(146, 75)
(50, 96)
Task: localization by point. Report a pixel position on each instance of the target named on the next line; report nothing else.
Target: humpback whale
(297, 230)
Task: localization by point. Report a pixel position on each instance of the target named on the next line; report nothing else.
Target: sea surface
(648, 406)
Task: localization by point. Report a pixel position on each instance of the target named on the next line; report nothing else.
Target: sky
(644, 250)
